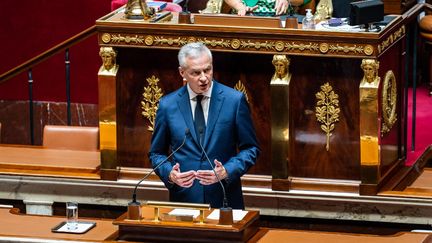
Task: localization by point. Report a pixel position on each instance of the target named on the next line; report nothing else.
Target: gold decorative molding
(357, 49)
(239, 44)
(127, 39)
(240, 87)
(327, 110)
(324, 10)
(389, 101)
(392, 38)
(151, 96)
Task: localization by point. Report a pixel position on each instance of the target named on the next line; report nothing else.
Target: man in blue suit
(220, 126)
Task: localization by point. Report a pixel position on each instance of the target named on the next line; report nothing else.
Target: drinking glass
(72, 215)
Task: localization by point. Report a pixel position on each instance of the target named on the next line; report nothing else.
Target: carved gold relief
(109, 66)
(368, 50)
(391, 39)
(282, 74)
(324, 10)
(389, 100)
(327, 110)
(213, 6)
(127, 39)
(239, 44)
(149, 40)
(240, 87)
(106, 38)
(151, 95)
(346, 49)
(235, 44)
(324, 47)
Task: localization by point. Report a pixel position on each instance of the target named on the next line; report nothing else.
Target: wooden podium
(175, 229)
(322, 129)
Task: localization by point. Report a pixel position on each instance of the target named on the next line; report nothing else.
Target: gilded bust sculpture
(108, 55)
(370, 68)
(282, 74)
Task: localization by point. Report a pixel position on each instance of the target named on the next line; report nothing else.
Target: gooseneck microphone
(225, 215)
(290, 9)
(225, 200)
(186, 7)
(133, 207)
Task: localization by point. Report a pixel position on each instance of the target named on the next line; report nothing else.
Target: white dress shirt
(205, 103)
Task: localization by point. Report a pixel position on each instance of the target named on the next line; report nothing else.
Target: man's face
(198, 73)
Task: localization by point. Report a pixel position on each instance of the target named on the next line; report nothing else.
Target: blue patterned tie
(200, 126)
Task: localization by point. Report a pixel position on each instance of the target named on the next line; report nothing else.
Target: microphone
(225, 213)
(134, 205)
(185, 7)
(185, 15)
(290, 9)
(291, 20)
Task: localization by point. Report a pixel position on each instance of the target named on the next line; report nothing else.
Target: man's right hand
(183, 179)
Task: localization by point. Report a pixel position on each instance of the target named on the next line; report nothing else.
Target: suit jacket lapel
(216, 102)
(184, 106)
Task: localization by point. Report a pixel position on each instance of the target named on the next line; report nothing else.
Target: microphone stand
(134, 207)
(225, 212)
(185, 15)
(291, 20)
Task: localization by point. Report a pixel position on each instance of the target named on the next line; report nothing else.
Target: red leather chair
(172, 7)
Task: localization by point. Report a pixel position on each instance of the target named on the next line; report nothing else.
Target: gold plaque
(389, 100)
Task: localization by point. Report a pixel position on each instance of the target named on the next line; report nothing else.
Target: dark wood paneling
(254, 71)
(136, 66)
(392, 142)
(308, 154)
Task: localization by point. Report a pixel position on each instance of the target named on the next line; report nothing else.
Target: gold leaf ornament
(327, 110)
(150, 103)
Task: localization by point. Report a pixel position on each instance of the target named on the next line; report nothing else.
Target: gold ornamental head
(138, 9)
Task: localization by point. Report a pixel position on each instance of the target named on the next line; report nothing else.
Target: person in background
(265, 7)
(203, 118)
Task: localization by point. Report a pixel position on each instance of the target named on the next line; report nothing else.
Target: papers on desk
(344, 27)
(237, 214)
(184, 212)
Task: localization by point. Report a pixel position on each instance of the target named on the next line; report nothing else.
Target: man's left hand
(208, 177)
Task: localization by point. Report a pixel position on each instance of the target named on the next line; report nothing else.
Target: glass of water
(72, 215)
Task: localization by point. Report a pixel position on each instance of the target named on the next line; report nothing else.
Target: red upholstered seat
(172, 7)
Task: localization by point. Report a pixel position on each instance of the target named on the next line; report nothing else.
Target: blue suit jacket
(229, 137)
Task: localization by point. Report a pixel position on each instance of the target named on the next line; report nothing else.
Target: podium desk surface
(30, 227)
(37, 160)
(14, 224)
(299, 236)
